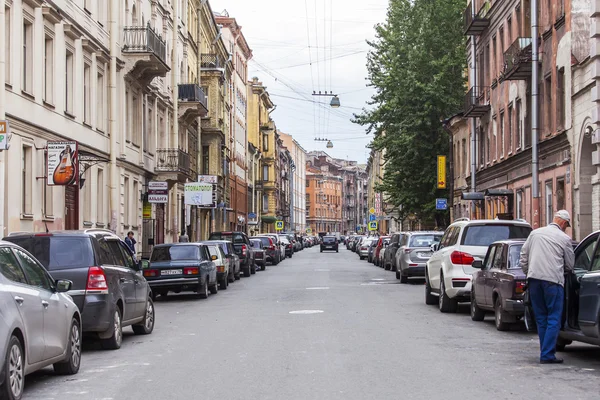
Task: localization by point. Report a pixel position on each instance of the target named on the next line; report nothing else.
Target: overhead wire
(312, 78)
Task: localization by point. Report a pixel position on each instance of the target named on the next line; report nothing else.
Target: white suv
(448, 271)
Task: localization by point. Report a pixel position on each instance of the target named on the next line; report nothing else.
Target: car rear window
(213, 250)
(484, 235)
(231, 237)
(424, 240)
(59, 252)
(175, 253)
(514, 255)
(329, 240)
(256, 243)
(265, 241)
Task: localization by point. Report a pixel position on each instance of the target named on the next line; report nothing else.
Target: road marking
(318, 288)
(306, 312)
(378, 279)
(322, 270)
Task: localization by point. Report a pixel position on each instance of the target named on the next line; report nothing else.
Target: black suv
(241, 244)
(108, 286)
(330, 243)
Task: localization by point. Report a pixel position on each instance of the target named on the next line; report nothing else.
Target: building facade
(297, 183)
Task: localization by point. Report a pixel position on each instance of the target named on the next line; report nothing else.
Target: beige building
(298, 183)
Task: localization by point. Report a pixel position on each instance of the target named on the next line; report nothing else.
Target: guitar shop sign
(63, 164)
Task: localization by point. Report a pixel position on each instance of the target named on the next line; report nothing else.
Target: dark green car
(182, 267)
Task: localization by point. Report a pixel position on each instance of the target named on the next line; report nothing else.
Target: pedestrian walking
(546, 257)
(130, 242)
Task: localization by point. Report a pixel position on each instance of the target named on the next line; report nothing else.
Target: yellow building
(375, 171)
(263, 136)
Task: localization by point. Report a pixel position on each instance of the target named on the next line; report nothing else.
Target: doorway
(583, 194)
(72, 207)
(160, 224)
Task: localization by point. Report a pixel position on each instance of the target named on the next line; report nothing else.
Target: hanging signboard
(147, 210)
(441, 174)
(199, 194)
(208, 179)
(62, 165)
(158, 192)
(4, 135)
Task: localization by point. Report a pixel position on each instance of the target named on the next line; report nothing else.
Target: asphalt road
(372, 339)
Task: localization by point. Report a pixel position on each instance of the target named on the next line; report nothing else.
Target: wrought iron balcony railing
(143, 39)
(477, 102)
(476, 24)
(192, 92)
(172, 160)
(517, 60)
(211, 61)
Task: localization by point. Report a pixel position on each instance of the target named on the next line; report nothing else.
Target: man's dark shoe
(553, 361)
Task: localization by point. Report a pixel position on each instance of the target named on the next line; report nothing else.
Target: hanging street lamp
(335, 101)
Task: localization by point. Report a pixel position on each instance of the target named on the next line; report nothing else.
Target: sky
(301, 46)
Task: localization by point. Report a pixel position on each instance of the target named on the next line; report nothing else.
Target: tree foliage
(416, 64)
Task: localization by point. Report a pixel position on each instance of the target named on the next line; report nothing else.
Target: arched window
(134, 18)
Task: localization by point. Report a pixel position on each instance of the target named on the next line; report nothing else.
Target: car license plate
(171, 272)
(329, 247)
(426, 254)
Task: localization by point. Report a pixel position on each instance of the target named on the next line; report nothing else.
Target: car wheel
(403, 278)
(337, 251)
(214, 288)
(445, 303)
(276, 260)
(499, 315)
(147, 325)
(230, 277)
(397, 275)
(253, 269)
(477, 314)
(321, 251)
(247, 272)
(114, 342)
(14, 367)
(237, 276)
(561, 344)
(72, 361)
(224, 282)
(203, 289)
(430, 298)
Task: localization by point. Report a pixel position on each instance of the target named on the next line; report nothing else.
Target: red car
(378, 249)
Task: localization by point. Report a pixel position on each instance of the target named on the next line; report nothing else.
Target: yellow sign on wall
(147, 210)
(441, 172)
(279, 225)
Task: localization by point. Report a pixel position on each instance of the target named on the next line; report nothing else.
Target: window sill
(88, 224)
(68, 114)
(28, 95)
(85, 123)
(100, 131)
(100, 225)
(8, 85)
(48, 218)
(88, 12)
(28, 217)
(48, 104)
(125, 226)
(509, 154)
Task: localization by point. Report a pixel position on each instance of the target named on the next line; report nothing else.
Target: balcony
(517, 60)
(476, 24)
(146, 53)
(192, 102)
(173, 165)
(211, 62)
(477, 102)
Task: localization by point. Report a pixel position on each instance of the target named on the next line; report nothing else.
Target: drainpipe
(2, 116)
(175, 95)
(534, 113)
(473, 122)
(114, 112)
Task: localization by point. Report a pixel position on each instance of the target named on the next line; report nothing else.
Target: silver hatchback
(39, 323)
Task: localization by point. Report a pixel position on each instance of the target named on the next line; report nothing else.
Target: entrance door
(160, 224)
(72, 207)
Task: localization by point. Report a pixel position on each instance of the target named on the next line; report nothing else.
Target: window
(26, 181)
(501, 133)
(115, 249)
(560, 194)
(596, 265)
(174, 253)
(547, 105)
(88, 6)
(519, 204)
(484, 235)
(509, 29)
(519, 124)
(498, 257)
(560, 98)
(494, 65)
(265, 142)
(100, 197)
(136, 208)
(100, 96)
(104, 253)
(127, 255)
(549, 205)
(583, 259)
(136, 126)
(265, 202)
(205, 160)
(8, 37)
(69, 82)
(265, 172)
(27, 57)
(87, 94)
(126, 201)
(49, 70)
(501, 40)
(36, 274)
(495, 139)
(9, 266)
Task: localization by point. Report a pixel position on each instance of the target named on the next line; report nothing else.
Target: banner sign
(158, 192)
(4, 135)
(208, 179)
(199, 194)
(62, 165)
(441, 172)
(147, 210)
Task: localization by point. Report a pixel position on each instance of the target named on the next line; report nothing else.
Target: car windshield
(424, 240)
(174, 253)
(329, 239)
(59, 252)
(514, 254)
(484, 235)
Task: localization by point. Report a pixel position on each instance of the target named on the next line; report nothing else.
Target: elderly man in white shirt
(545, 257)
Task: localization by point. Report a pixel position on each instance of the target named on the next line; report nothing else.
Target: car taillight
(244, 249)
(519, 287)
(271, 245)
(149, 273)
(190, 271)
(96, 279)
(461, 258)
(406, 251)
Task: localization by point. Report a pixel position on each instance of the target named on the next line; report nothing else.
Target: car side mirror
(435, 247)
(477, 264)
(386, 244)
(213, 258)
(143, 264)
(63, 285)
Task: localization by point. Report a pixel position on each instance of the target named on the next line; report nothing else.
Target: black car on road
(330, 243)
(182, 267)
(241, 244)
(108, 285)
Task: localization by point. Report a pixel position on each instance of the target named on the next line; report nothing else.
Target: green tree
(417, 66)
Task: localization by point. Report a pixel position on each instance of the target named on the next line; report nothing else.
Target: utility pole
(534, 115)
(2, 117)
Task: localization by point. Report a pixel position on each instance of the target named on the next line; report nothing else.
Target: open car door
(589, 292)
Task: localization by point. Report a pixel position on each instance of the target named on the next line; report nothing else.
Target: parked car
(382, 253)
(278, 246)
(225, 270)
(413, 253)
(182, 267)
(448, 271)
(389, 262)
(380, 244)
(108, 285)
(289, 249)
(581, 315)
(241, 244)
(363, 251)
(234, 261)
(260, 254)
(498, 284)
(330, 243)
(372, 247)
(40, 325)
(357, 243)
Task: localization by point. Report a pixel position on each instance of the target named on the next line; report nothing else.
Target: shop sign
(62, 165)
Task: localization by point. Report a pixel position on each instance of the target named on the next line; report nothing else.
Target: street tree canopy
(417, 66)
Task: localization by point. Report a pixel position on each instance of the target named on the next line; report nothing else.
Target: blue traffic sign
(441, 204)
(252, 215)
(372, 217)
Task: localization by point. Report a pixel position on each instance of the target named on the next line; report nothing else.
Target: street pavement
(357, 334)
